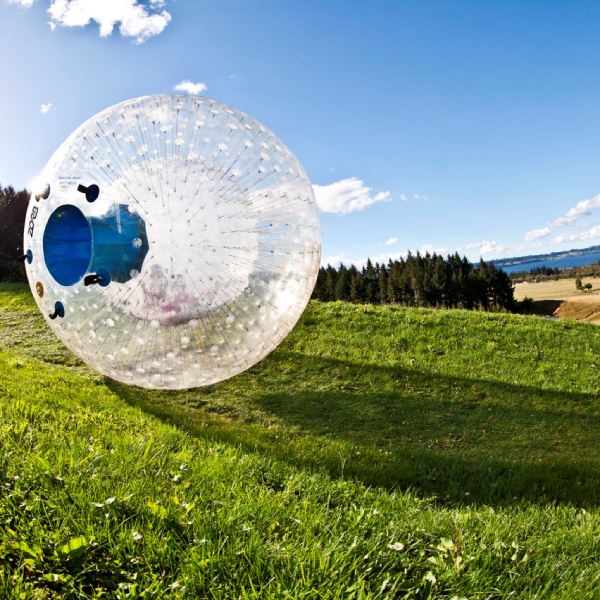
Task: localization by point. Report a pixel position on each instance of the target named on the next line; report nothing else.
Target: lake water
(567, 262)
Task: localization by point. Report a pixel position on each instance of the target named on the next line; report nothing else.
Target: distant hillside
(552, 256)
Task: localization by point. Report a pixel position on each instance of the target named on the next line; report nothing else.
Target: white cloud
(44, 108)
(486, 248)
(581, 209)
(346, 196)
(433, 250)
(334, 261)
(578, 236)
(382, 258)
(537, 234)
(23, 3)
(134, 18)
(389, 242)
(359, 263)
(405, 198)
(191, 88)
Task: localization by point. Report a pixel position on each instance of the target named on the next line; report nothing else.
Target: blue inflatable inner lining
(67, 245)
(119, 243)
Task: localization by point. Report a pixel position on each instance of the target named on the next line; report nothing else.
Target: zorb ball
(173, 241)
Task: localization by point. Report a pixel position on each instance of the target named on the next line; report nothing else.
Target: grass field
(380, 452)
(560, 289)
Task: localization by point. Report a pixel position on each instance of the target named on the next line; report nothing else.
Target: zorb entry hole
(67, 245)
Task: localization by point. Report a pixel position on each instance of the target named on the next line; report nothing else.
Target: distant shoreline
(562, 260)
(551, 256)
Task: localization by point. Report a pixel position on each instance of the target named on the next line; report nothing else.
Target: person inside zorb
(173, 242)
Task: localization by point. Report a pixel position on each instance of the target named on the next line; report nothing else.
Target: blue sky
(469, 126)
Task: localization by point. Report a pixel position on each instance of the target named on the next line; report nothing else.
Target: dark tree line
(13, 207)
(429, 280)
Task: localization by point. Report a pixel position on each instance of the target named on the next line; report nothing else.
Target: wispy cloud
(190, 88)
(433, 249)
(390, 242)
(382, 258)
(537, 234)
(334, 261)
(23, 3)
(346, 196)
(44, 108)
(485, 248)
(580, 210)
(135, 19)
(578, 236)
(405, 198)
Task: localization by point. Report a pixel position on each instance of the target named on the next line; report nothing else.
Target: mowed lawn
(379, 452)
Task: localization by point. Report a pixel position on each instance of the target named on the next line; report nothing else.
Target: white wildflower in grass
(396, 546)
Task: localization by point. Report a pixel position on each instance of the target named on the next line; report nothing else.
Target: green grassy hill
(380, 452)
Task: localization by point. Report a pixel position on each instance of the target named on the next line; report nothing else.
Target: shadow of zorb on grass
(173, 241)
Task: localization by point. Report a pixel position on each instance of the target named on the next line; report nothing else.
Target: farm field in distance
(380, 452)
(561, 289)
(548, 296)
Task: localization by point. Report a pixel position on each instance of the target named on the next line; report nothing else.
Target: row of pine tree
(13, 207)
(417, 280)
(429, 280)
